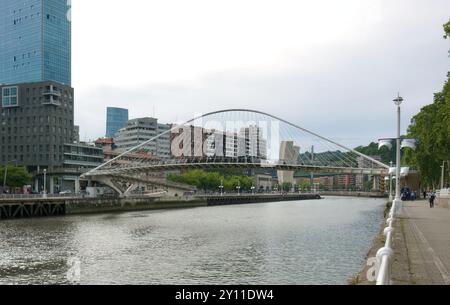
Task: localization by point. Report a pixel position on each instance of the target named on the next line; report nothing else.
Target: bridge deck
(224, 165)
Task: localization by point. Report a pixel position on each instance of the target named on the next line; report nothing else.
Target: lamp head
(398, 100)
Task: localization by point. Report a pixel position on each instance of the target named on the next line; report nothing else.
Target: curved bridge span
(236, 139)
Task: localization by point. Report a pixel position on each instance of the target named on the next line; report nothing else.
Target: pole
(397, 182)
(45, 184)
(391, 197)
(4, 178)
(397, 201)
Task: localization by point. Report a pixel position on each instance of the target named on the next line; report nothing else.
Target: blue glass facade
(35, 41)
(116, 118)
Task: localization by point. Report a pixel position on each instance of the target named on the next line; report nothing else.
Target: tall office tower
(36, 97)
(35, 38)
(116, 118)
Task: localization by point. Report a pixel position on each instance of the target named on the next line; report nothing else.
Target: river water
(299, 242)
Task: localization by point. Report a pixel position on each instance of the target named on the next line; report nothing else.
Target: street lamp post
(6, 173)
(397, 201)
(44, 193)
(390, 182)
(221, 187)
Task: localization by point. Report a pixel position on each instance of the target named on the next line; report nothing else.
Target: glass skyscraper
(116, 118)
(35, 41)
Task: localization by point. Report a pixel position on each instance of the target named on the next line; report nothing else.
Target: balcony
(51, 92)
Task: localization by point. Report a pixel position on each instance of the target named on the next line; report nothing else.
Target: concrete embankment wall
(355, 194)
(87, 206)
(443, 202)
(39, 207)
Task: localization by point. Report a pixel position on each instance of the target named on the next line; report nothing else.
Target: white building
(138, 131)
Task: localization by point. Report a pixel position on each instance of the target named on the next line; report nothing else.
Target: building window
(10, 97)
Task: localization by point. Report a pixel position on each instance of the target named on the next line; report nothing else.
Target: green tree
(431, 127)
(210, 181)
(287, 187)
(387, 155)
(17, 176)
(447, 30)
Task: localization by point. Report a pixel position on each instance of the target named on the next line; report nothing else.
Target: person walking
(424, 194)
(432, 197)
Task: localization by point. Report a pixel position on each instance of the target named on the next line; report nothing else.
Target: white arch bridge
(239, 139)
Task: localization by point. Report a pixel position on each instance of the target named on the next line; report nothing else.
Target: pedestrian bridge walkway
(422, 245)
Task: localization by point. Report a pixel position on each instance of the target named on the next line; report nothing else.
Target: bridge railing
(385, 254)
(36, 196)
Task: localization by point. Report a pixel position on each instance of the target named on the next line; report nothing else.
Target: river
(299, 242)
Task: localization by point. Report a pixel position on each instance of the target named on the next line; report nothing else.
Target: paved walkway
(422, 245)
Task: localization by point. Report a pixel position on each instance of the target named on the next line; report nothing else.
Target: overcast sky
(330, 66)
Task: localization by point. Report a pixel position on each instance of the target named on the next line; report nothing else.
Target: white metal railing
(444, 193)
(385, 254)
(35, 196)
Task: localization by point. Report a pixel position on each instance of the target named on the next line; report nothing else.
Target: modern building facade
(35, 38)
(36, 120)
(116, 118)
(138, 131)
(36, 97)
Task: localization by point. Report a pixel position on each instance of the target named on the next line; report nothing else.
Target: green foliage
(287, 187)
(447, 30)
(387, 155)
(210, 181)
(17, 176)
(431, 126)
(305, 185)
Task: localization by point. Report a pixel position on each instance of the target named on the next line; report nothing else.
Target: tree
(210, 181)
(287, 186)
(17, 176)
(431, 127)
(387, 155)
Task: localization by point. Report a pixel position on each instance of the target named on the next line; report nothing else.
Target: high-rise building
(36, 97)
(138, 131)
(35, 41)
(116, 118)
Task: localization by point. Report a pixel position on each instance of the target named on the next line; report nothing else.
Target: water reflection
(304, 242)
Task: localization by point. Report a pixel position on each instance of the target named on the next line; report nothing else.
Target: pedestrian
(424, 194)
(432, 197)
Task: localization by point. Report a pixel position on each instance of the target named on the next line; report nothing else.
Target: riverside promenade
(421, 245)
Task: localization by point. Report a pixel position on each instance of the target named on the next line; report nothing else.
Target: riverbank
(420, 245)
(45, 207)
(378, 242)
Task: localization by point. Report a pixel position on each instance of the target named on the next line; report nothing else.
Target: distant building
(365, 163)
(105, 143)
(163, 142)
(76, 134)
(345, 181)
(138, 131)
(116, 118)
(254, 144)
(289, 154)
